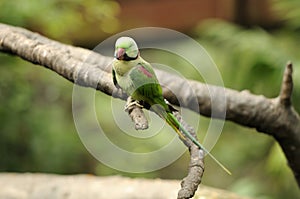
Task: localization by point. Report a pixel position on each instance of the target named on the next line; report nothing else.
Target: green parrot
(136, 77)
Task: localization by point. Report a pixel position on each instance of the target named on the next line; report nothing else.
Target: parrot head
(126, 49)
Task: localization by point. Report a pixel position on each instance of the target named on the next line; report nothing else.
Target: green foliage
(289, 11)
(37, 129)
(63, 20)
(37, 133)
(252, 59)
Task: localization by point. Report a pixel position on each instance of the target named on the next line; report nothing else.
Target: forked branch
(275, 117)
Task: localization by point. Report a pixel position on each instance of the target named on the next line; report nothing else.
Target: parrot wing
(142, 85)
(115, 78)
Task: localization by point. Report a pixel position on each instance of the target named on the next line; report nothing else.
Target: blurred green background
(250, 41)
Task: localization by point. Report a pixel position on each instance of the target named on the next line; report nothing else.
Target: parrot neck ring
(121, 54)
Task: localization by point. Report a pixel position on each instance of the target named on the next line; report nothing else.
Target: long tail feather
(176, 125)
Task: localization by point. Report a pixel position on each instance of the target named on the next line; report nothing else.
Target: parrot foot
(131, 103)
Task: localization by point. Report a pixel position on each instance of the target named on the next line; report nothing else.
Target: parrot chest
(140, 84)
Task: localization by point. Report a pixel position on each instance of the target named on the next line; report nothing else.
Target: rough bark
(89, 69)
(275, 117)
(191, 182)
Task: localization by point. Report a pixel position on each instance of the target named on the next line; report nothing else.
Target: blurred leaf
(289, 11)
(66, 21)
(36, 124)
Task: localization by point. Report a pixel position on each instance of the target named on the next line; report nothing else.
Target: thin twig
(93, 70)
(190, 183)
(287, 86)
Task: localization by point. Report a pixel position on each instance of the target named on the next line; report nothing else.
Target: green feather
(179, 127)
(137, 78)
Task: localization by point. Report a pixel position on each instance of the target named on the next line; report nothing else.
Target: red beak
(120, 53)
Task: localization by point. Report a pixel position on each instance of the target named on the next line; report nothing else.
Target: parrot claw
(131, 103)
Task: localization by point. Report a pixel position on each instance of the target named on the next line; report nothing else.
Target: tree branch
(89, 69)
(137, 115)
(34, 185)
(287, 86)
(190, 183)
(275, 116)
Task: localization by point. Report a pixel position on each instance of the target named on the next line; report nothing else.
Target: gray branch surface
(90, 69)
(36, 186)
(275, 116)
(191, 182)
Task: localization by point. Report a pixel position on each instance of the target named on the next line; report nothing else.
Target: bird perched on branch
(136, 77)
